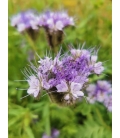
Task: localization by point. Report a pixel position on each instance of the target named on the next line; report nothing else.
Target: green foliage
(30, 118)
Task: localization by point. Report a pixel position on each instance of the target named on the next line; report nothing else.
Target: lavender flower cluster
(101, 92)
(65, 77)
(52, 20)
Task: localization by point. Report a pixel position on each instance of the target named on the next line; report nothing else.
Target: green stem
(30, 42)
(54, 40)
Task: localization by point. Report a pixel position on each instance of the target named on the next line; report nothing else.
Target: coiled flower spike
(64, 78)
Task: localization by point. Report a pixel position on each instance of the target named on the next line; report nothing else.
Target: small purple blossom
(100, 92)
(98, 68)
(45, 64)
(25, 20)
(55, 20)
(54, 23)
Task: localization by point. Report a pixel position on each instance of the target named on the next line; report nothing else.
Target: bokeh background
(30, 118)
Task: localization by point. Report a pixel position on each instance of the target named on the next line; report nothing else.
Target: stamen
(24, 97)
(20, 89)
(48, 93)
(20, 80)
(27, 77)
(105, 61)
(83, 45)
(37, 54)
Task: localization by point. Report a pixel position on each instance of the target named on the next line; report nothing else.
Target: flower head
(25, 20)
(100, 92)
(65, 78)
(54, 23)
(55, 20)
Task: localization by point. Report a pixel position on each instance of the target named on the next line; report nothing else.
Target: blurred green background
(30, 118)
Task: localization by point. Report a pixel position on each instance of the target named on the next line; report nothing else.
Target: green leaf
(29, 132)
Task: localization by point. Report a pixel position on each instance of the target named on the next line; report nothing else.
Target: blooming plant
(53, 23)
(65, 77)
(59, 95)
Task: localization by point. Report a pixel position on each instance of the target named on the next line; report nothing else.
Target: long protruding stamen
(20, 80)
(83, 45)
(35, 69)
(48, 93)
(20, 89)
(37, 54)
(26, 76)
(24, 97)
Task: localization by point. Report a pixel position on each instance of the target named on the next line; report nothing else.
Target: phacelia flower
(65, 77)
(26, 21)
(101, 92)
(54, 23)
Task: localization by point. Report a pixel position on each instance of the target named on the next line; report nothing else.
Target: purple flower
(45, 64)
(98, 68)
(25, 20)
(54, 23)
(100, 92)
(55, 20)
(66, 76)
(76, 67)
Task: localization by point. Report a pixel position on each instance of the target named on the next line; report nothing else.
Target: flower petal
(33, 92)
(62, 87)
(75, 87)
(67, 97)
(79, 93)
